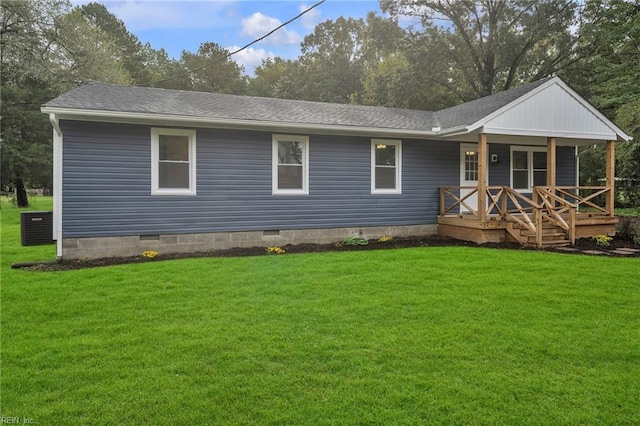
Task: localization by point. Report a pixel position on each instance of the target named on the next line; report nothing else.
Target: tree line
(452, 51)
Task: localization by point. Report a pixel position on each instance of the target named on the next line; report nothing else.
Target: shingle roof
(109, 97)
(470, 112)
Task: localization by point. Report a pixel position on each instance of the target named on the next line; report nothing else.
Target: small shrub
(384, 239)
(355, 241)
(627, 228)
(150, 254)
(275, 250)
(602, 240)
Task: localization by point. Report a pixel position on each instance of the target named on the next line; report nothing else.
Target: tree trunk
(21, 193)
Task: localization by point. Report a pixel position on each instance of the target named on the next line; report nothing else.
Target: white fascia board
(148, 118)
(555, 80)
(454, 131)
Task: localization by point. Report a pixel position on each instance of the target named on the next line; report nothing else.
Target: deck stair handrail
(555, 208)
(526, 213)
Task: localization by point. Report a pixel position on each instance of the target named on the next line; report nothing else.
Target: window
(386, 167)
(173, 162)
(528, 167)
(470, 165)
(290, 164)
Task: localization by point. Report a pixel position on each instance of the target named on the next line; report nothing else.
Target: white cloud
(250, 58)
(258, 24)
(310, 19)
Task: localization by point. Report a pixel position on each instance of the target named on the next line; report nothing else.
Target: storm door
(469, 175)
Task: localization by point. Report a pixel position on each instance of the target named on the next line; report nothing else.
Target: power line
(228, 55)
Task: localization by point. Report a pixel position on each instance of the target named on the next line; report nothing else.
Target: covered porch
(548, 215)
(533, 195)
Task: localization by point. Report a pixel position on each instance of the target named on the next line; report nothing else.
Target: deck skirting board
(474, 234)
(495, 231)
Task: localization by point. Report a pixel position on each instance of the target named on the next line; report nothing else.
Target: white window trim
(529, 150)
(398, 144)
(155, 155)
(305, 164)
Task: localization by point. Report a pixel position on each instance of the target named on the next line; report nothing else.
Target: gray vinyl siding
(566, 169)
(499, 173)
(107, 184)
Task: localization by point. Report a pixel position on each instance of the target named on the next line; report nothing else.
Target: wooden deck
(553, 216)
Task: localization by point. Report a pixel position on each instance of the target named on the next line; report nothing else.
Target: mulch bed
(584, 246)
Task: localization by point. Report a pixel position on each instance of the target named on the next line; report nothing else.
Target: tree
(267, 77)
(211, 70)
(330, 66)
(612, 27)
(87, 53)
(128, 51)
(163, 71)
(333, 62)
(28, 61)
(486, 46)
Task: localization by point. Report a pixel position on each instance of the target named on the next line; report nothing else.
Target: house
(140, 169)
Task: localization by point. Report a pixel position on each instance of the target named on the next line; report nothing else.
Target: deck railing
(586, 197)
(556, 205)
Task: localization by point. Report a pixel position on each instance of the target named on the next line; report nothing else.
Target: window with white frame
(173, 161)
(528, 167)
(290, 164)
(386, 166)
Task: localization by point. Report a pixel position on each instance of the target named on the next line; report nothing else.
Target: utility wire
(228, 55)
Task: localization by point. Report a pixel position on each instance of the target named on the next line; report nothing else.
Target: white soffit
(553, 111)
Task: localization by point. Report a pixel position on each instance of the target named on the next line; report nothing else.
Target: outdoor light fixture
(381, 146)
(494, 158)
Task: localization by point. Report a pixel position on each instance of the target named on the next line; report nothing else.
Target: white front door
(468, 175)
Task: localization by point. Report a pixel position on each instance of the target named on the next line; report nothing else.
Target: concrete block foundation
(98, 247)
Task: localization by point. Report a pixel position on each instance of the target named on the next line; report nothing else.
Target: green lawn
(413, 336)
(629, 211)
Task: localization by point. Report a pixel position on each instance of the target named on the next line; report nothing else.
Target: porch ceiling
(493, 138)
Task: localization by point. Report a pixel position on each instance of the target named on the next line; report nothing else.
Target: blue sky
(184, 25)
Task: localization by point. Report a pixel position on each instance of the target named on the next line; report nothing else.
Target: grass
(628, 211)
(452, 335)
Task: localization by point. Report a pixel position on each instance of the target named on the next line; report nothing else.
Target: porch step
(552, 235)
(556, 243)
(545, 225)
